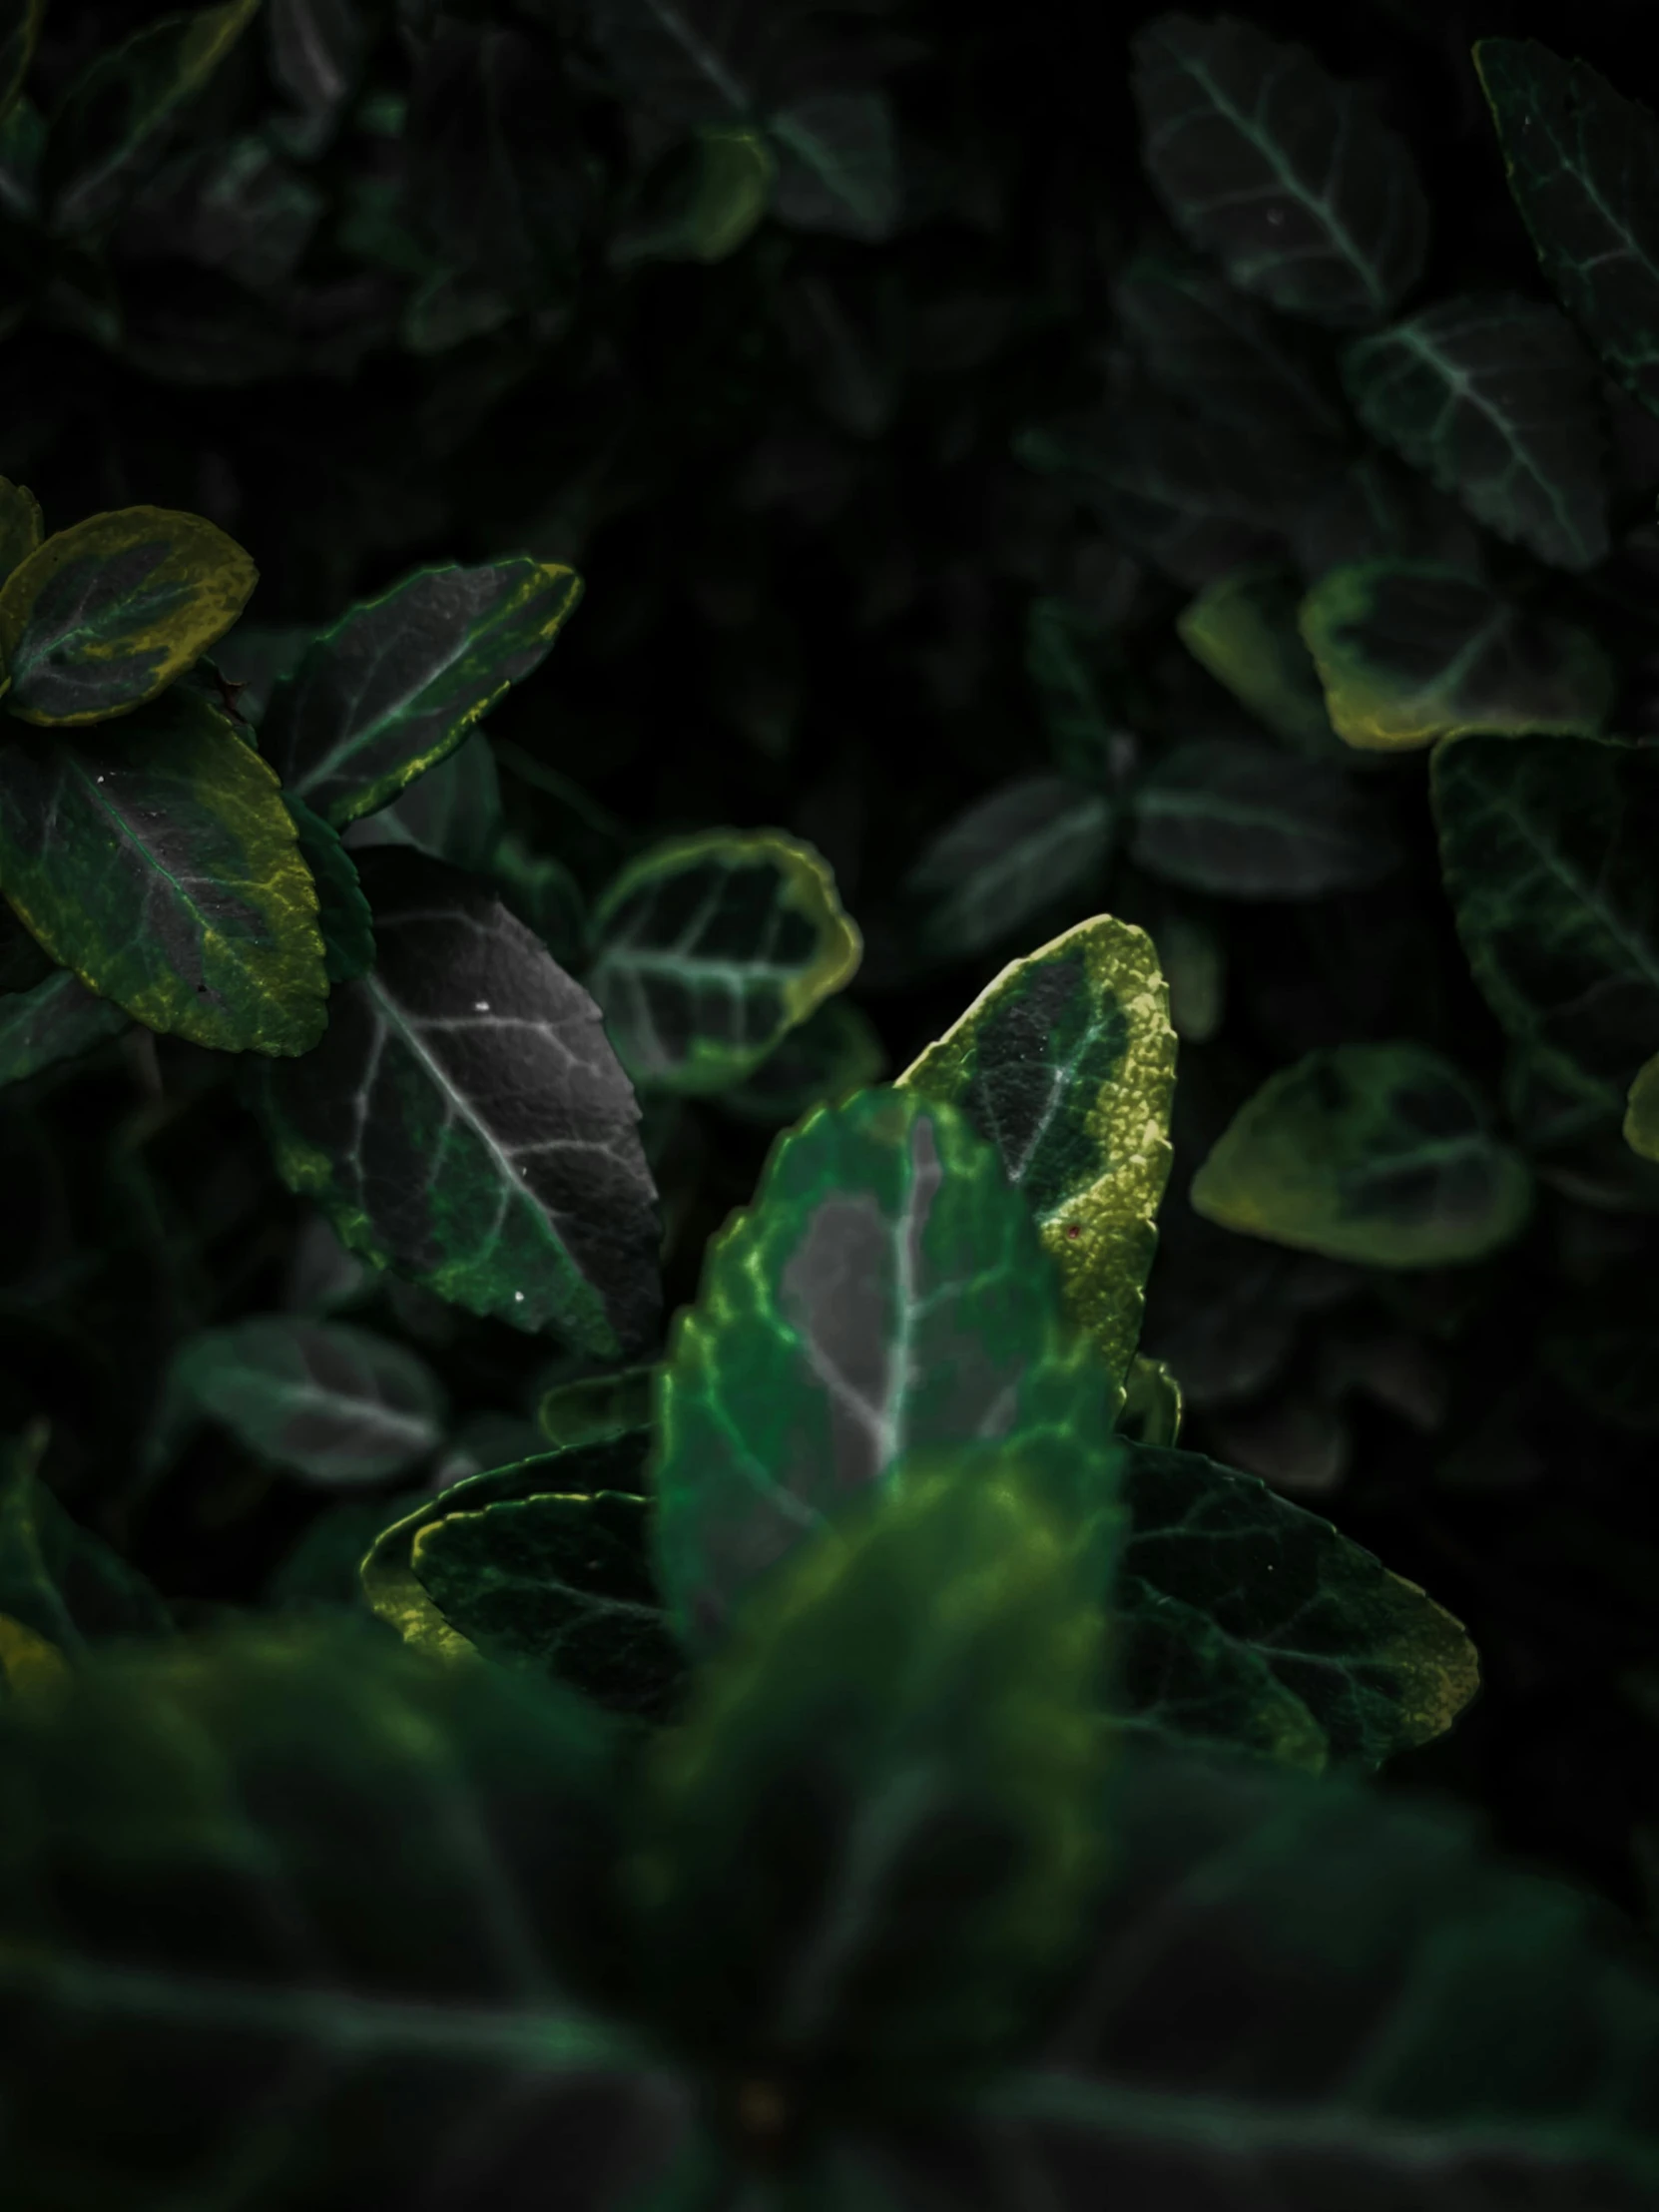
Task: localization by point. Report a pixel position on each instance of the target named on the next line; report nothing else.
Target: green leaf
(56, 1019)
(29, 1665)
(709, 949)
(1376, 1153)
(317, 55)
(1377, 1666)
(1065, 1065)
(704, 201)
(886, 1294)
(1641, 1120)
(1064, 646)
(342, 911)
(1303, 1992)
(1180, 1678)
(1008, 857)
(104, 616)
(464, 1122)
(1375, 510)
(20, 22)
(1582, 162)
(1496, 400)
(321, 1572)
(1546, 845)
(21, 528)
(453, 810)
(865, 1857)
(114, 119)
(398, 683)
(1282, 172)
(837, 165)
(1240, 820)
(56, 1577)
(1411, 651)
(1243, 629)
(332, 1402)
(157, 861)
(1194, 961)
(324, 1922)
(832, 1053)
(1152, 1402)
(597, 1405)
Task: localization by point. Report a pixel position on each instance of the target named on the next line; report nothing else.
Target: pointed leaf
(104, 616)
(1008, 857)
(57, 1019)
(157, 861)
(112, 122)
(399, 682)
(342, 911)
(712, 196)
(1377, 1153)
(1546, 844)
(835, 1052)
(1285, 174)
(1495, 399)
(1181, 1678)
(1641, 1120)
(710, 950)
(465, 1123)
(1582, 162)
(838, 169)
(1065, 1065)
(1238, 819)
(1243, 629)
(453, 810)
(340, 1903)
(21, 529)
(56, 1577)
(1411, 651)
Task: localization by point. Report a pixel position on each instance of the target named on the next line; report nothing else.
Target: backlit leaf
(1285, 174)
(1243, 820)
(1411, 651)
(342, 911)
(1243, 629)
(56, 1019)
(399, 682)
(886, 1294)
(1007, 858)
(103, 616)
(21, 529)
(710, 950)
(1495, 399)
(56, 1578)
(835, 1052)
(1065, 1065)
(1377, 1153)
(157, 861)
(1641, 1119)
(464, 1122)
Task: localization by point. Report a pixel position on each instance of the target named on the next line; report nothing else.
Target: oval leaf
(1243, 629)
(342, 911)
(1010, 856)
(453, 810)
(56, 1578)
(1641, 1119)
(1377, 1153)
(835, 1052)
(57, 1019)
(1222, 815)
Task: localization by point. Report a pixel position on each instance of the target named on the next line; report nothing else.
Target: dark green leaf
(322, 1571)
(1495, 399)
(1243, 629)
(1222, 815)
(1194, 960)
(835, 1052)
(1152, 1402)
(1547, 847)
(1283, 173)
(704, 202)
(1583, 165)
(597, 1405)
(1009, 857)
(334, 1403)
(1377, 1153)
(157, 861)
(317, 54)
(465, 1123)
(452, 812)
(56, 1577)
(1599, 1345)
(710, 950)
(1065, 1064)
(21, 529)
(545, 896)
(396, 685)
(253, 655)
(1411, 651)
(1064, 647)
(318, 1911)
(1641, 1120)
(114, 119)
(1375, 510)
(104, 616)
(342, 911)
(837, 165)
(55, 1019)
(19, 31)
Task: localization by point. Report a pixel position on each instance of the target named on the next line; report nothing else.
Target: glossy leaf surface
(1241, 821)
(1009, 855)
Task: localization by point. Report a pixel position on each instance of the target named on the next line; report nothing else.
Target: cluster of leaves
(501, 1674)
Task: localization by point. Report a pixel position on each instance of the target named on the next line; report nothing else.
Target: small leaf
(29, 1665)
(1008, 857)
(1243, 629)
(1641, 1120)
(157, 861)
(1495, 399)
(399, 682)
(597, 1405)
(1411, 651)
(1241, 821)
(1065, 1064)
(56, 1019)
(710, 950)
(58, 1580)
(1548, 845)
(342, 911)
(21, 528)
(1377, 1153)
(332, 1402)
(835, 1052)
(453, 810)
(465, 1123)
(114, 119)
(1152, 1402)
(1582, 161)
(838, 167)
(886, 1294)
(1282, 172)
(1063, 646)
(20, 22)
(104, 616)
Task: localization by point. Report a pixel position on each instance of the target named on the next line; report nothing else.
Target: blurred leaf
(317, 56)
(29, 1665)
(1641, 1120)
(1243, 629)
(1411, 651)
(597, 1405)
(56, 1578)
(56, 1019)
(1379, 1153)
(832, 1053)
(342, 911)
(1373, 510)
(1152, 1402)
(706, 200)
(453, 810)
(1241, 821)
(1285, 174)
(1063, 646)
(321, 1572)
(1194, 963)
(1008, 857)
(838, 167)
(544, 895)
(21, 529)
(20, 22)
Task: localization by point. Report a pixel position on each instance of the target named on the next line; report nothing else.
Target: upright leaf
(1411, 651)
(157, 861)
(1243, 629)
(1583, 165)
(465, 1123)
(105, 615)
(1496, 400)
(1377, 1153)
(56, 1019)
(1223, 814)
(399, 682)
(1008, 857)
(1546, 847)
(1286, 175)
(887, 1293)
(1065, 1065)
(342, 911)
(57, 1579)
(710, 949)
(20, 525)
